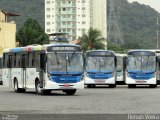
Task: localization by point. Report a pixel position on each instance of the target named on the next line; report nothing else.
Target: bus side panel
(6, 77)
(17, 75)
(31, 75)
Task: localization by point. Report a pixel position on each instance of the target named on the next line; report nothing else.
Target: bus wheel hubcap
(38, 88)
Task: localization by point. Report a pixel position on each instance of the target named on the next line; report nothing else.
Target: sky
(152, 3)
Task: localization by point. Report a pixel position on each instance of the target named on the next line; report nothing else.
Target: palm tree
(92, 40)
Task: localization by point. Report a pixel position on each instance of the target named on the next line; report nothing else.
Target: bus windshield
(65, 63)
(141, 63)
(100, 64)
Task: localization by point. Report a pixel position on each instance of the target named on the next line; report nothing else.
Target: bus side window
(9, 62)
(4, 60)
(13, 60)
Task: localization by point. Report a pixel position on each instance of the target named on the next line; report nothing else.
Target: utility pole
(157, 33)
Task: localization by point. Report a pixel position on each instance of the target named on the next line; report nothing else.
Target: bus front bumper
(61, 86)
(141, 82)
(88, 80)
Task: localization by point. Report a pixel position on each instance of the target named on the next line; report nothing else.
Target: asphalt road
(101, 100)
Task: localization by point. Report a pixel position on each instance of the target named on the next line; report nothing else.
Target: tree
(92, 40)
(31, 33)
(115, 48)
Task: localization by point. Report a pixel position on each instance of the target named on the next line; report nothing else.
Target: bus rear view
(141, 68)
(100, 68)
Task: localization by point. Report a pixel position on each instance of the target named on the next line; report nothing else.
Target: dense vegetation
(139, 24)
(31, 33)
(26, 8)
(138, 21)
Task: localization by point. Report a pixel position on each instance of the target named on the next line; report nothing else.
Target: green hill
(138, 21)
(139, 24)
(26, 8)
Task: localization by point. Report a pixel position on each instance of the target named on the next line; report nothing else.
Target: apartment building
(7, 31)
(75, 17)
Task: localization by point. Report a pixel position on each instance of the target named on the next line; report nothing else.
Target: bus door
(10, 70)
(23, 70)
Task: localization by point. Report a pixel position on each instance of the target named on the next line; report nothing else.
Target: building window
(64, 9)
(68, 23)
(83, 22)
(83, 1)
(48, 23)
(83, 8)
(48, 9)
(63, 23)
(83, 15)
(48, 2)
(48, 16)
(68, 30)
(64, 16)
(83, 31)
(68, 16)
(48, 30)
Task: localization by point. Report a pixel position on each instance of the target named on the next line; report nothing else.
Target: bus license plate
(140, 81)
(99, 81)
(66, 85)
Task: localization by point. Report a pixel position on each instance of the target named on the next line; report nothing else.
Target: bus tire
(16, 88)
(112, 85)
(131, 86)
(39, 91)
(152, 86)
(89, 86)
(70, 92)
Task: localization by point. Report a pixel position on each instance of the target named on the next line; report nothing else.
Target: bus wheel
(70, 92)
(152, 86)
(38, 89)
(131, 86)
(89, 86)
(112, 86)
(16, 88)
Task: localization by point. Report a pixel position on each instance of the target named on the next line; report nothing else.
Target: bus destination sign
(63, 48)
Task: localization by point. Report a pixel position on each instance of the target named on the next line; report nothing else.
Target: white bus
(44, 68)
(121, 58)
(100, 68)
(142, 68)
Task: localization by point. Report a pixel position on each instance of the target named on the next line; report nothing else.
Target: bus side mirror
(43, 62)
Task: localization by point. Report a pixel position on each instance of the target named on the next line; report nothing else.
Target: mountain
(26, 8)
(138, 22)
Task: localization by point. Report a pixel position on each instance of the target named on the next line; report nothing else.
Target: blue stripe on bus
(66, 79)
(141, 76)
(16, 49)
(100, 75)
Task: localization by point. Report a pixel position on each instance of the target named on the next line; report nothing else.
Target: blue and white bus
(100, 68)
(142, 68)
(44, 68)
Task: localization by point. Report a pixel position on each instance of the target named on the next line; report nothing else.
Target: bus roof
(100, 53)
(141, 52)
(35, 47)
